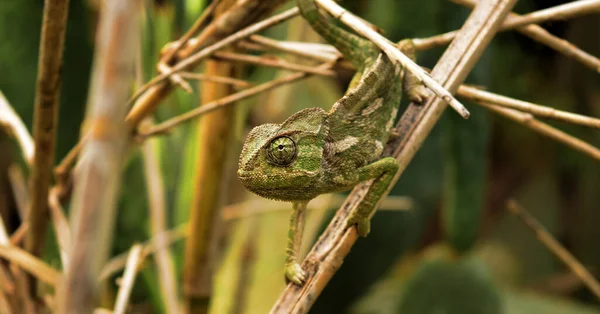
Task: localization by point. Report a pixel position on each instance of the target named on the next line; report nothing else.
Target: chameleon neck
(354, 48)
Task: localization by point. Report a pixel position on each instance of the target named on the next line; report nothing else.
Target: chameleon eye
(281, 151)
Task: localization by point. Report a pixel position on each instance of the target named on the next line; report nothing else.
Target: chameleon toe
(295, 274)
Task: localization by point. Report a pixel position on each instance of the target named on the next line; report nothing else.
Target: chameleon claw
(295, 274)
(363, 225)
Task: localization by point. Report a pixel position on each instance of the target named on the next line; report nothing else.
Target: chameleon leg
(383, 172)
(293, 271)
(414, 90)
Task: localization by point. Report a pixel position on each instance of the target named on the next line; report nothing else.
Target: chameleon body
(315, 152)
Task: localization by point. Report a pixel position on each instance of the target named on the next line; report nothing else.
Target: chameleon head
(283, 161)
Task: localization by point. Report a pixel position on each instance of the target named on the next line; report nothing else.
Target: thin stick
(158, 220)
(164, 127)
(320, 52)
(479, 96)
(539, 34)
(30, 264)
(133, 261)
(555, 247)
(13, 125)
(216, 79)
(393, 53)
(45, 118)
(136, 113)
(560, 12)
(529, 121)
(271, 62)
(336, 241)
(19, 189)
(61, 226)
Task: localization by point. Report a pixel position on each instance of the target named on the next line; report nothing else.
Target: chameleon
(315, 152)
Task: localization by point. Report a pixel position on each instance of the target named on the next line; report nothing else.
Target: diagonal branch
(336, 241)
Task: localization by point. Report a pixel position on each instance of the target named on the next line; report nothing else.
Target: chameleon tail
(353, 47)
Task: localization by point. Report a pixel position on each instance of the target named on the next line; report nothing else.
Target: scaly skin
(314, 152)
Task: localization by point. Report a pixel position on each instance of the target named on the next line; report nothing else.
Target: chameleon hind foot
(295, 273)
(363, 224)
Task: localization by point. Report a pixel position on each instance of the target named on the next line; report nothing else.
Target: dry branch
(99, 170)
(334, 244)
(45, 119)
(529, 121)
(559, 12)
(539, 34)
(134, 259)
(555, 247)
(480, 96)
(165, 126)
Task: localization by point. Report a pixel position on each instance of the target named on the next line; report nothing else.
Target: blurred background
(444, 243)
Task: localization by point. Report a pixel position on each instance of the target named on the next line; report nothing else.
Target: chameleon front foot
(294, 273)
(363, 224)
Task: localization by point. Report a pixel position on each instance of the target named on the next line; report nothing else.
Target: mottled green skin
(335, 150)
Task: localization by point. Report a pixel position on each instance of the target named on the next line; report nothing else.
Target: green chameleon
(315, 152)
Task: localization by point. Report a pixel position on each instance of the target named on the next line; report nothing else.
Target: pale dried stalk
(334, 244)
(560, 12)
(319, 52)
(529, 121)
(555, 247)
(30, 264)
(393, 53)
(271, 62)
(13, 125)
(134, 259)
(19, 189)
(61, 226)
(99, 170)
(45, 119)
(539, 34)
(479, 96)
(158, 221)
(216, 79)
(167, 125)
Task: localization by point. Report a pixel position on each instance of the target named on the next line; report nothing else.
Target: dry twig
(560, 12)
(45, 118)
(133, 261)
(144, 106)
(555, 247)
(480, 96)
(529, 121)
(165, 126)
(158, 220)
